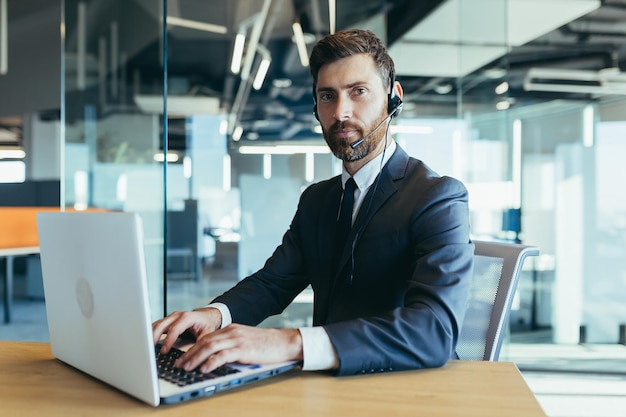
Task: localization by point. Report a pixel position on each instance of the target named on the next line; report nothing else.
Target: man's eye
(360, 91)
(326, 97)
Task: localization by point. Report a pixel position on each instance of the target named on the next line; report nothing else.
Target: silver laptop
(98, 311)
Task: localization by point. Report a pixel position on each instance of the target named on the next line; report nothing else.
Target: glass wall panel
(112, 83)
(539, 155)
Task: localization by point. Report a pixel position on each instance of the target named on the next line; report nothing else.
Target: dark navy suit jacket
(400, 303)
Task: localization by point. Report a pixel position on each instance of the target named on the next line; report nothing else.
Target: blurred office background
(522, 100)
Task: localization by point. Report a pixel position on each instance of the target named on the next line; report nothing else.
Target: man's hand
(199, 322)
(244, 344)
(234, 343)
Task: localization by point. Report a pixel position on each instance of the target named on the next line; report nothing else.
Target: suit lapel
(378, 194)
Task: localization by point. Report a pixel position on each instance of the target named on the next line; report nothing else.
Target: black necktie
(344, 221)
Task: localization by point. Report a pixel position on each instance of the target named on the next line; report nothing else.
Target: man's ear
(398, 89)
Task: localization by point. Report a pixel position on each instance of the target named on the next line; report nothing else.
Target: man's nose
(343, 108)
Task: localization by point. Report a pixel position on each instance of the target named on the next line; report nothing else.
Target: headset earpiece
(395, 106)
(394, 103)
(315, 104)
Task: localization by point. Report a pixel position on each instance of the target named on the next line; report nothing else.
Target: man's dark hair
(348, 43)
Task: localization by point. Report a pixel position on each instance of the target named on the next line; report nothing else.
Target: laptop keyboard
(181, 377)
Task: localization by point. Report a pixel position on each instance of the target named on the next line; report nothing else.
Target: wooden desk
(33, 383)
(10, 254)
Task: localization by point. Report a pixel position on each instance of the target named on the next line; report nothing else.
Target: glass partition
(113, 149)
(217, 175)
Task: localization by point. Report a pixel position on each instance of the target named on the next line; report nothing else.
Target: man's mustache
(337, 126)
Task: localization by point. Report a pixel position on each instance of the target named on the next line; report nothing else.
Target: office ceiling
(569, 35)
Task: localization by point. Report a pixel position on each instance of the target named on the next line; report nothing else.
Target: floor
(566, 381)
(564, 378)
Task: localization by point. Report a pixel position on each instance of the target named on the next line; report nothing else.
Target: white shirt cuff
(227, 319)
(319, 353)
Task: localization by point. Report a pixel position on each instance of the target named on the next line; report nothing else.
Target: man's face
(351, 102)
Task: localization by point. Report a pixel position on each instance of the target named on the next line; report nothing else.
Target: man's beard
(340, 147)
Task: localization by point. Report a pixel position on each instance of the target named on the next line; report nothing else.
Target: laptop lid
(96, 293)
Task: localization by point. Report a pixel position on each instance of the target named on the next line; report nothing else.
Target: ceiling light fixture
(443, 88)
(416, 129)
(264, 66)
(171, 157)
(281, 82)
(4, 42)
(240, 40)
(502, 88)
(494, 73)
(223, 127)
(503, 105)
(194, 24)
(258, 22)
(283, 149)
(178, 106)
(12, 153)
(332, 15)
(237, 133)
(298, 37)
(589, 126)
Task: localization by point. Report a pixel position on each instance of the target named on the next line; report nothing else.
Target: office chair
(497, 266)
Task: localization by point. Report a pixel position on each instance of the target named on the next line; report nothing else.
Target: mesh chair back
(497, 266)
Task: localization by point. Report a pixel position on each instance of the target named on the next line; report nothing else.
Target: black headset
(394, 103)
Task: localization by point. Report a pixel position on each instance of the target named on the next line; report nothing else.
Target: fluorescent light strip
(187, 167)
(283, 149)
(415, 130)
(261, 73)
(226, 179)
(503, 105)
(81, 190)
(12, 154)
(223, 127)
(588, 125)
(194, 24)
(235, 65)
(121, 189)
(419, 130)
(516, 163)
(300, 44)
(267, 166)
(171, 157)
(255, 35)
(237, 133)
(332, 12)
(309, 166)
(4, 40)
(502, 88)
